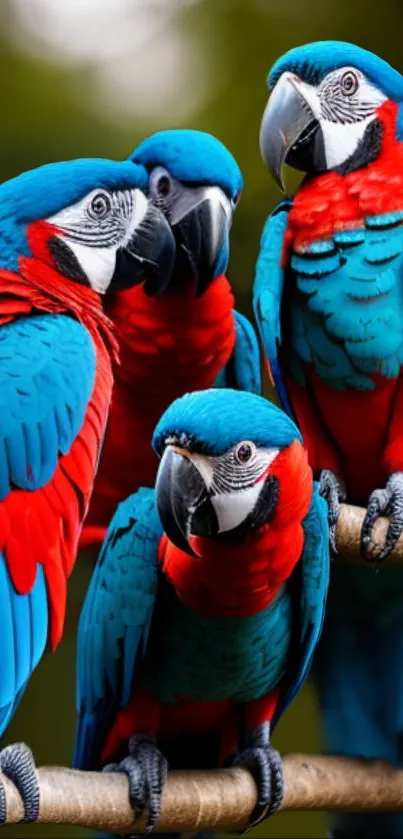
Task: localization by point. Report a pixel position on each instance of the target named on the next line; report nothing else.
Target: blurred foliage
(46, 117)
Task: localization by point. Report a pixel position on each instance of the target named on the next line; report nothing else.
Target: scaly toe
(17, 764)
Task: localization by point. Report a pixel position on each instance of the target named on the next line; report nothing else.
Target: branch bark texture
(214, 800)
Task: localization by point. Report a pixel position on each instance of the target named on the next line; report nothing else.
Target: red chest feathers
(169, 345)
(334, 202)
(173, 343)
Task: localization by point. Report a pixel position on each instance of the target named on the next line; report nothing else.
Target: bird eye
(244, 452)
(349, 83)
(163, 186)
(100, 206)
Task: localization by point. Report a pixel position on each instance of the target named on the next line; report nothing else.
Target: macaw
(206, 602)
(329, 302)
(189, 336)
(69, 232)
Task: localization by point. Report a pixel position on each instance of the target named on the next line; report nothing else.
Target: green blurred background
(93, 77)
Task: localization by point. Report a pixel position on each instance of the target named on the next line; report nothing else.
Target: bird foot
(146, 769)
(332, 489)
(17, 764)
(265, 764)
(384, 502)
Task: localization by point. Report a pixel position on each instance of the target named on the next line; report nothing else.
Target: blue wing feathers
(47, 376)
(314, 576)
(23, 636)
(47, 373)
(268, 293)
(115, 620)
(347, 339)
(246, 356)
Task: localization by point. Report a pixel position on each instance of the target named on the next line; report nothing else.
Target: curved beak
(201, 219)
(148, 256)
(182, 500)
(290, 129)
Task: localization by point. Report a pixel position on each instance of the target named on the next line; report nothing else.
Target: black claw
(17, 764)
(384, 502)
(146, 769)
(332, 489)
(265, 763)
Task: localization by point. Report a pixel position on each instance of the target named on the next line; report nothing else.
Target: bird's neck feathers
(333, 202)
(39, 287)
(234, 579)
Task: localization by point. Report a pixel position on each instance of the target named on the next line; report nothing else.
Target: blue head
(324, 109)
(197, 183)
(90, 220)
(220, 451)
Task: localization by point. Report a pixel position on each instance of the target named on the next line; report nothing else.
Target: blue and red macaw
(189, 336)
(206, 602)
(329, 302)
(68, 232)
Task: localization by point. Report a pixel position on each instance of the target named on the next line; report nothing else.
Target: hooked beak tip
(286, 120)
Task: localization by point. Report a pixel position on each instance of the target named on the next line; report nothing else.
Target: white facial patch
(232, 506)
(96, 227)
(341, 141)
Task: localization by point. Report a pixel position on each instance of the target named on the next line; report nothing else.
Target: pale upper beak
(290, 128)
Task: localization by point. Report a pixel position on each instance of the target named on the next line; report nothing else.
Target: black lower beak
(148, 257)
(182, 500)
(290, 132)
(202, 242)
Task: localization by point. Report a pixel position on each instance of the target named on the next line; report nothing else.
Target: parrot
(188, 337)
(69, 232)
(328, 299)
(206, 602)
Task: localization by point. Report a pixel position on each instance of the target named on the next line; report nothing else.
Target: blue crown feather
(191, 157)
(218, 419)
(312, 62)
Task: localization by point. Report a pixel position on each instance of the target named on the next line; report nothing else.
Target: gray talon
(17, 764)
(384, 502)
(265, 763)
(146, 769)
(332, 489)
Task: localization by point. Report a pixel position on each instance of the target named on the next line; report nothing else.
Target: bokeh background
(94, 77)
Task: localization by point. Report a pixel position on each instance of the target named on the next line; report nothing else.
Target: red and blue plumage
(56, 353)
(329, 302)
(187, 338)
(336, 208)
(201, 636)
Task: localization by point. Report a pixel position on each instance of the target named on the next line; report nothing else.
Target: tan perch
(214, 800)
(348, 537)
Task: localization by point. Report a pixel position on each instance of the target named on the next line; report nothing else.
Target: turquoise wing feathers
(312, 575)
(115, 621)
(47, 371)
(268, 294)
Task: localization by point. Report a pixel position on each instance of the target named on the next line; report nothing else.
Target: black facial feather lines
(102, 232)
(230, 475)
(337, 106)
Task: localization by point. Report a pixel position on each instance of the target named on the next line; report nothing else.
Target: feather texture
(141, 648)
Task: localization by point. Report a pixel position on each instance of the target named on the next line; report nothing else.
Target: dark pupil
(349, 82)
(244, 453)
(163, 185)
(100, 205)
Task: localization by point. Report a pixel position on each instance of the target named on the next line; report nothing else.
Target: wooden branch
(348, 537)
(214, 800)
